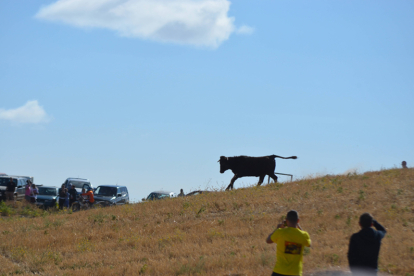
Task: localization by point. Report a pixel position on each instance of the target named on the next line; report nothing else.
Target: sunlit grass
(220, 233)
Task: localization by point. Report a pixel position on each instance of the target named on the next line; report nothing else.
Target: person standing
(89, 196)
(364, 246)
(72, 195)
(33, 194)
(62, 196)
(67, 198)
(181, 193)
(11, 187)
(291, 241)
(28, 190)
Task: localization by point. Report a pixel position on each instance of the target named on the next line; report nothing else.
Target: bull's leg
(261, 178)
(274, 177)
(232, 182)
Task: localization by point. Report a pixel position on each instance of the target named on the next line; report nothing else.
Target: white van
(79, 183)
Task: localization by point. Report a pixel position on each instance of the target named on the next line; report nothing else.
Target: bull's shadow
(250, 166)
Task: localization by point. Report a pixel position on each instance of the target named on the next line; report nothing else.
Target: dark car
(111, 194)
(47, 197)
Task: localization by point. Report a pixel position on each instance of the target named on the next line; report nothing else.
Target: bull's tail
(290, 157)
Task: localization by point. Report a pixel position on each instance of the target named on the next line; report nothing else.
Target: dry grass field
(220, 233)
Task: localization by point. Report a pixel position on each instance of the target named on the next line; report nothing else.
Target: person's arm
(269, 239)
(352, 251)
(379, 227)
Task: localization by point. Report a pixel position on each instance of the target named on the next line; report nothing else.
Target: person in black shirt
(62, 196)
(11, 187)
(364, 246)
(72, 195)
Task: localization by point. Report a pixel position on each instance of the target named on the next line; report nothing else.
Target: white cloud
(194, 22)
(245, 30)
(30, 113)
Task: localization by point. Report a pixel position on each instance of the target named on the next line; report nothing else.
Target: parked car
(79, 184)
(20, 182)
(112, 194)
(160, 195)
(197, 193)
(47, 197)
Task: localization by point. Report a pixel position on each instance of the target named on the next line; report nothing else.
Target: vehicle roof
(49, 187)
(112, 186)
(15, 177)
(77, 178)
(162, 192)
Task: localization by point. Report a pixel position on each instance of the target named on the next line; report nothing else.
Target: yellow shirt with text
(289, 251)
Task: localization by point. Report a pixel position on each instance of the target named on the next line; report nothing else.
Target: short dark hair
(292, 216)
(366, 220)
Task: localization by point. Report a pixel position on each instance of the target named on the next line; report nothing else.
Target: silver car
(160, 195)
(20, 182)
(111, 194)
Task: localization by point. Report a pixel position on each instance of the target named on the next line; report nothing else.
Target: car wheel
(75, 207)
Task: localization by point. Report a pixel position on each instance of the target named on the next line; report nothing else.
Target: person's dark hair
(292, 216)
(366, 220)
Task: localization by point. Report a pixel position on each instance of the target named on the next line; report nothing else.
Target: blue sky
(150, 93)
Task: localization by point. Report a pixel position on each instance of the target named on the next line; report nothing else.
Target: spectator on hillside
(72, 195)
(291, 241)
(33, 194)
(404, 165)
(28, 191)
(62, 196)
(181, 193)
(11, 187)
(364, 246)
(67, 198)
(89, 196)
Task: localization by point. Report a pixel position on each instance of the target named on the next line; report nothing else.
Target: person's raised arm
(269, 239)
(379, 227)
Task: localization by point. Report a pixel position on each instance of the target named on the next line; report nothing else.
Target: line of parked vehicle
(104, 195)
(49, 195)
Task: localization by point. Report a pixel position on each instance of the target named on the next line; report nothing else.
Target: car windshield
(78, 184)
(47, 191)
(157, 196)
(5, 181)
(106, 191)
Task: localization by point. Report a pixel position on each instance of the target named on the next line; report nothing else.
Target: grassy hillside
(221, 233)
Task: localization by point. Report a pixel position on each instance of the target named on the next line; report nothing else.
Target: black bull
(250, 166)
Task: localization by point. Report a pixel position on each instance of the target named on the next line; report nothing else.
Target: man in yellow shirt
(290, 241)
